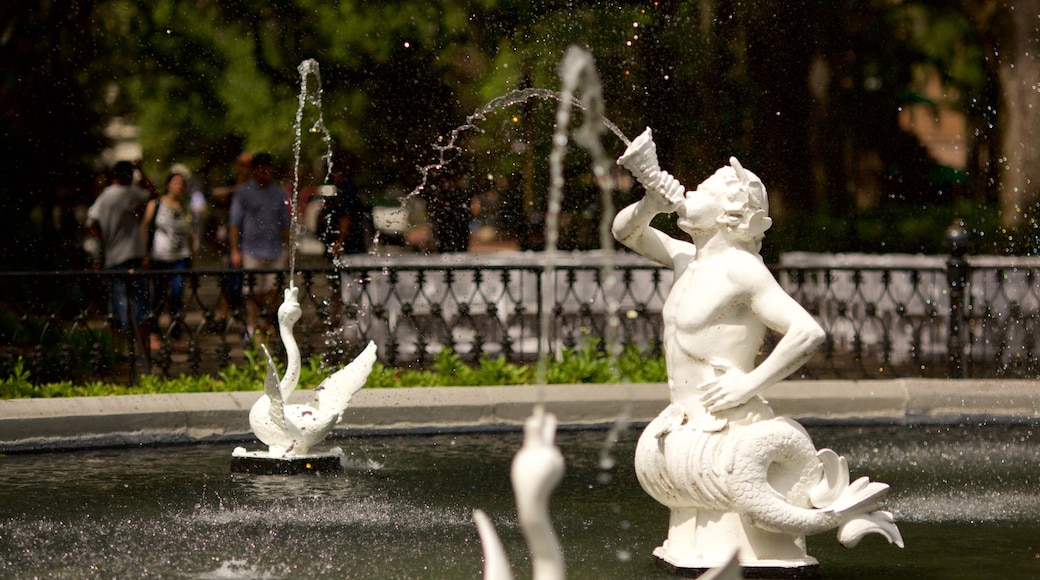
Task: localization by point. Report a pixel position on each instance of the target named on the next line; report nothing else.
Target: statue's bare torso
(709, 327)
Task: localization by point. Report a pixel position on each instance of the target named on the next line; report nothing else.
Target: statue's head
(744, 202)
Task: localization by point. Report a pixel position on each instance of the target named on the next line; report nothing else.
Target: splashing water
(578, 77)
(607, 461)
(578, 74)
(450, 149)
(309, 95)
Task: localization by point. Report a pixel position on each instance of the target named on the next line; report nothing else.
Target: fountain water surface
(967, 497)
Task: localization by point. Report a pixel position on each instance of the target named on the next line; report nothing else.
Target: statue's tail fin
(876, 522)
(856, 504)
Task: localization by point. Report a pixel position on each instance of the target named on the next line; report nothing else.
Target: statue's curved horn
(739, 169)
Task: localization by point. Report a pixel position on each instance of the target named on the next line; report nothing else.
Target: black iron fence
(886, 316)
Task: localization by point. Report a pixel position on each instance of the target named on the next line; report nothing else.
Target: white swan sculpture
(292, 430)
(536, 471)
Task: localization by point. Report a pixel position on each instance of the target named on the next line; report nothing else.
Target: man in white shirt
(114, 218)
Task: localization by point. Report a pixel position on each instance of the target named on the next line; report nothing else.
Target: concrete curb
(57, 424)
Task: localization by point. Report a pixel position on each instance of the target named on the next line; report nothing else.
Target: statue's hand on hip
(730, 389)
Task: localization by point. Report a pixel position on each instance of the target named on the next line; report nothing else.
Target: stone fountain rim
(35, 425)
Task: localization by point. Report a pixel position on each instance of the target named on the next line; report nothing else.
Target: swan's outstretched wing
(307, 426)
(335, 392)
(496, 564)
(277, 411)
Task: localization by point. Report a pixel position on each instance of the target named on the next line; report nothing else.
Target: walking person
(343, 226)
(114, 218)
(343, 222)
(168, 233)
(259, 237)
(450, 209)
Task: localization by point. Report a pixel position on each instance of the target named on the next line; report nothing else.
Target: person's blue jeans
(231, 287)
(126, 289)
(174, 284)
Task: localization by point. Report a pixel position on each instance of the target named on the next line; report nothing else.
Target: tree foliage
(805, 92)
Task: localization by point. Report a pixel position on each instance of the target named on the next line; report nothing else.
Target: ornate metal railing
(885, 316)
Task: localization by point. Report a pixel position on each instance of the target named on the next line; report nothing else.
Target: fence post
(957, 243)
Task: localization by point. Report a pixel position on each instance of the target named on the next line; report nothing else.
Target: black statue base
(811, 571)
(261, 464)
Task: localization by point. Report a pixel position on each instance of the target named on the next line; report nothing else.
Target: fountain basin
(124, 499)
(967, 499)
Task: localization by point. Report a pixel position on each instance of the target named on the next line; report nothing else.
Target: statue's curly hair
(745, 203)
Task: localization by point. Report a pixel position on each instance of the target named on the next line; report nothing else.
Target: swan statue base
(262, 463)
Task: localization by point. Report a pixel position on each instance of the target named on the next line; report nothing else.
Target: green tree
(804, 93)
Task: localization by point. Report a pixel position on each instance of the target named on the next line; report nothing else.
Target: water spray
(309, 95)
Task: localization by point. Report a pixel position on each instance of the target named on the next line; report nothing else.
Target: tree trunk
(1016, 63)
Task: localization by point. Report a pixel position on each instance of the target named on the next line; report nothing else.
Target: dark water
(968, 502)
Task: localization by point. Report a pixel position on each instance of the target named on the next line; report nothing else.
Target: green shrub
(585, 365)
(17, 384)
(588, 364)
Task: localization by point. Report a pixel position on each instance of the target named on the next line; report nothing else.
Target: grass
(585, 365)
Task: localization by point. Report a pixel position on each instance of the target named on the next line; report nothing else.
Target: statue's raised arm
(664, 194)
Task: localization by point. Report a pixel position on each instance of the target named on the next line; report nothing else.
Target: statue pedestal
(698, 540)
(262, 463)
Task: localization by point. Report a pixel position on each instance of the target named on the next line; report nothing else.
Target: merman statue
(734, 476)
(292, 430)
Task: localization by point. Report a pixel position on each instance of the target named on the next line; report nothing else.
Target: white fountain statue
(536, 471)
(291, 431)
(734, 476)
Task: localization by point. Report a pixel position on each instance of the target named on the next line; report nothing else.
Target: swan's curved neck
(292, 362)
(546, 555)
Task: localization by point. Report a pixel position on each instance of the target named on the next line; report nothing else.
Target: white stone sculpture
(536, 471)
(292, 430)
(734, 476)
